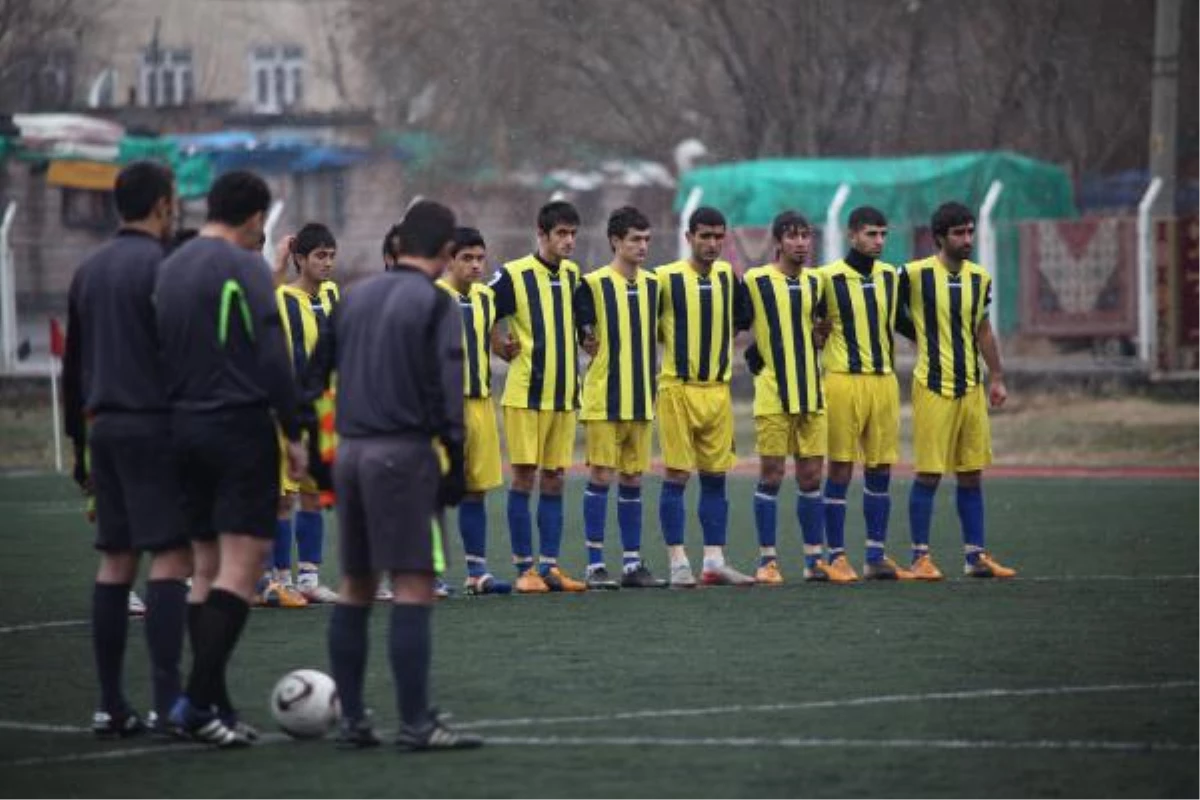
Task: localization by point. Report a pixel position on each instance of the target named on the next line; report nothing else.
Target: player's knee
(523, 477)
(310, 502)
(357, 590)
(551, 481)
(841, 471)
(284, 508)
(970, 480)
(601, 476)
(771, 471)
(631, 479)
(412, 588)
(117, 567)
(808, 475)
(171, 565)
(679, 476)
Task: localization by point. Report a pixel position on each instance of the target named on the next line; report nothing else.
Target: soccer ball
(305, 704)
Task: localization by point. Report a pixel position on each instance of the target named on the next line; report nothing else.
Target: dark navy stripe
(771, 312)
(799, 345)
(651, 324)
(679, 307)
(468, 321)
(929, 312)
(331, 299)
(612, 332)
(489, 319)
(296, 323)
(726, 326)
(841, 292)
(956, 337)
(537, 326)
(873, 325)
(704, 352)
(638, 372)
(976, 291)
(573, 280)
(560, 341)
(889, 286)
(813, 286)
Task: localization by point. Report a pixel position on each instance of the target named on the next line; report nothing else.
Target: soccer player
(112, 374)
(616, 310)
(778, 302)
(227, 371)
(541, 395)
(695, 407)
(945, 300)
(863, 396)
(398, 352)
(305, 305)
(477, 303)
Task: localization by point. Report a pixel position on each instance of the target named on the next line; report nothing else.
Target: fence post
(1145, 277)
(689, 207)
(832, 244)
(987, 247)
(8, 294)
(274, 214)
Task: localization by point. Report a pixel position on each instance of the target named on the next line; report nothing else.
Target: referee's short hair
(139, 187)
(236, 197)
(426, 229)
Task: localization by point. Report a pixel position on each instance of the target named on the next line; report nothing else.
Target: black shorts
(386, 498)
(136, 483)
(229, 468)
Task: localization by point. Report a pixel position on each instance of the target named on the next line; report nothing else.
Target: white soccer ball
(305, 704)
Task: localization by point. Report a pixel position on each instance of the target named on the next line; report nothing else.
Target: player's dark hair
(465, 237)
(139, 187)
(706, 215)
(866, 215)
(236, 197)
(557, 212)
(949, 215)
(313, 236)
(427, 227)
(626, 219)
(391, 242)
(788, 222)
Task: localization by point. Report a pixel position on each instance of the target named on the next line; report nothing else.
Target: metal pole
(274, 214)
(833, 244)
(987, 247)
(1145, 277)
(54, 412)
(1164, 101)
(8, 293)
(689, 208)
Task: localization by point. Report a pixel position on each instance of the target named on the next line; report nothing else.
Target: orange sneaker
(987, 567)
(840, 571)
(769, 575)
(559, 581)
(923, 569)
(885, 569)
(529, 582)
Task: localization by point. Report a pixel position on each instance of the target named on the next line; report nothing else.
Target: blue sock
(310, 537)
(970, 515)
(713, 510)
(595, 512)
(472, 525)
(629, 519)
(809, 511)
(281, 555)
(877, 507)
(766, 514)
(835, 518)
(671, 514)
(550, 529)
(520, 529)
(920, 515)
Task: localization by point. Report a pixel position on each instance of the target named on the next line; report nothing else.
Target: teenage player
(477, 303)
(616, 309)
(779, 302)
(863, 396)
(230, 386)
(695, 407)
(112, 374)
(541, 394)
(946, 297)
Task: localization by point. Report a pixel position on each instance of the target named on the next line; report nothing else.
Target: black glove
(80, 471)
(454, 482)
(754, 359)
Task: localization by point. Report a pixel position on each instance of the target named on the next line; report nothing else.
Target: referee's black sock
(348, 656)
(110, 625)
(218, 624)
(409, 648)
(166, 615)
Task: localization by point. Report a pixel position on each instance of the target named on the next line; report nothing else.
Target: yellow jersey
(946, 310)
(780, 311)
(620, 381)
(862, 310)
(695, 322)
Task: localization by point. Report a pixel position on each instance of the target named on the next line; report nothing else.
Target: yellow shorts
(864, 418)
(695, 426)
(286, 484)
(482, 450)
(543, 439)
(623, 446)
(797, 435)
(949, 434)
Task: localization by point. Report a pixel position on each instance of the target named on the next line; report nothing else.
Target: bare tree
(38, 39)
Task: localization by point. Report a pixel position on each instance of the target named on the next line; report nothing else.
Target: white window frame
(283, 68)
(176, 62)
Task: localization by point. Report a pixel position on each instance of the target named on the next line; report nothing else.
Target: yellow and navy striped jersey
(946, 310)
(780, 312)
(538, 297)
(478, 307)
(620, 381)
(695, 322)
(862, 310)
(305, 319)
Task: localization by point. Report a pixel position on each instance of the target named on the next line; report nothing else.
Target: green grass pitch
(1078, 679)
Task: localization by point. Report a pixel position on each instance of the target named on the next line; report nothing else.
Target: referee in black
(116, 404)
(230, 383)
(397, 342)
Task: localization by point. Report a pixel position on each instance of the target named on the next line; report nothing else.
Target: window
(88, 209)
(321, 195)
(166, 77)
(276, 77)
(46, 80)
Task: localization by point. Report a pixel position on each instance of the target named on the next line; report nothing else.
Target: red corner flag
(58, 341)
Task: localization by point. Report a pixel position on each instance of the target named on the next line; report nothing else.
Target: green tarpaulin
(907, 190)
(193, 174)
